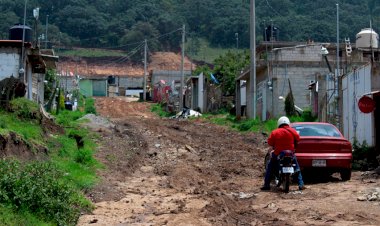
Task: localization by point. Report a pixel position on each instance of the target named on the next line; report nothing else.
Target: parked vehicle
(322, 147)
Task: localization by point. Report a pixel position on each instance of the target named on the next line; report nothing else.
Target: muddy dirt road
(181, 172)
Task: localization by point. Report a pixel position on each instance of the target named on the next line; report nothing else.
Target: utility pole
(182, 70)
(145, 75)
(337, 70)
(46, 31)
(252, 83)
(22, 69)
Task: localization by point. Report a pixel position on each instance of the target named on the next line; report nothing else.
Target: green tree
(227, 67)
(289, 103)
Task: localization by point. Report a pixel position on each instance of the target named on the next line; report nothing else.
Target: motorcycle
(285, 171)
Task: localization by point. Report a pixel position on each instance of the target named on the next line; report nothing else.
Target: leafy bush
(61, 101)
(67, 118)
(84, 156)
(159, 110)
(289, 105)
(249, 125)
(307, 116)
(364, 156)
(41, 189)
(90, 106)
(25, 108)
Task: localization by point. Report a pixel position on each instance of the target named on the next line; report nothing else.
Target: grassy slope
(208, 53)
(76, 167)
(205, 53)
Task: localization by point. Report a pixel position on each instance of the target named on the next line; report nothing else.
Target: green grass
(27, 129)
(47, 192)
(159, 109)
(8, 216)
(250, 125)
(208, 53)
(78, 164)
(91, 53)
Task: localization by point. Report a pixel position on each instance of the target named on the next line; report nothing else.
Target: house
(309, 70)
(117, 76)
(25, 63)
(359, 91)
(32, 74)
(203, 94)
(289, 66)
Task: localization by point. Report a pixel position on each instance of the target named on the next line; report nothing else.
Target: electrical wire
(275, 11)
(126, 57)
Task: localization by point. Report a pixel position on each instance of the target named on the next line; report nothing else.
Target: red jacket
(283, 138)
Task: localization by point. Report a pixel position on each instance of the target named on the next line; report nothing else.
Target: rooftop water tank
(367, 38)
(15, 33)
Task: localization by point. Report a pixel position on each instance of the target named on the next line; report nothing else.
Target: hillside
(124, 25)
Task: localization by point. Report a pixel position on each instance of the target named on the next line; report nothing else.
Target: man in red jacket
(281, 139)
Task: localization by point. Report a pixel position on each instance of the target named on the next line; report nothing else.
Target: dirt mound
(120, 66)
(50, 127)
(169, 61)
(14, 146)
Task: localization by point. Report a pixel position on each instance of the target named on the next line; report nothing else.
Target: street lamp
(36, 14)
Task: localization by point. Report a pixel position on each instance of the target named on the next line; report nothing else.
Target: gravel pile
(96, 122)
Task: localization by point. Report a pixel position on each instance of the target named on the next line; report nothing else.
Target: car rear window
(322, 130)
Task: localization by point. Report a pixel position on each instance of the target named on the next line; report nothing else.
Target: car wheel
(345, 174)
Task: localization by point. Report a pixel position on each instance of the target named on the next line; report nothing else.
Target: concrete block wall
(9, 58)
(131, 82)
(300, 78)
(298, 53)
(67, 82)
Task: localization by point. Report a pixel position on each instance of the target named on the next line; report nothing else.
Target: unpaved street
(191, 172)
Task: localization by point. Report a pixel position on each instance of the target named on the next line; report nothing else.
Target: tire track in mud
(197, 173)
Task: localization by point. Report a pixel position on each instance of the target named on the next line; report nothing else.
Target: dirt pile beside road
(192, 172)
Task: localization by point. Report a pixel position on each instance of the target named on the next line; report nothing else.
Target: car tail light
(345, 150)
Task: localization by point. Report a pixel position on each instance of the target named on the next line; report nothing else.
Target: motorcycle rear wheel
(285, 182)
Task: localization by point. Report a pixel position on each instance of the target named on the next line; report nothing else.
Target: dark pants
(274, 165)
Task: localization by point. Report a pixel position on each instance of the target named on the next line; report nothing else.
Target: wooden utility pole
(145, 59)
(181, 104)
(251, 107)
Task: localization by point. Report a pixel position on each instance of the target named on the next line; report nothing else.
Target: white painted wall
(201, 92)
(357, 125)
(9, 58)
(243, 92)
(298, 53)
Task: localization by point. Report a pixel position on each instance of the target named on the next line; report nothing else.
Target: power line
(164, 35)
(275, 11)
(129, 44)
(125, 58)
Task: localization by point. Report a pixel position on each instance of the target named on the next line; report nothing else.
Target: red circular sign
(366, 104)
